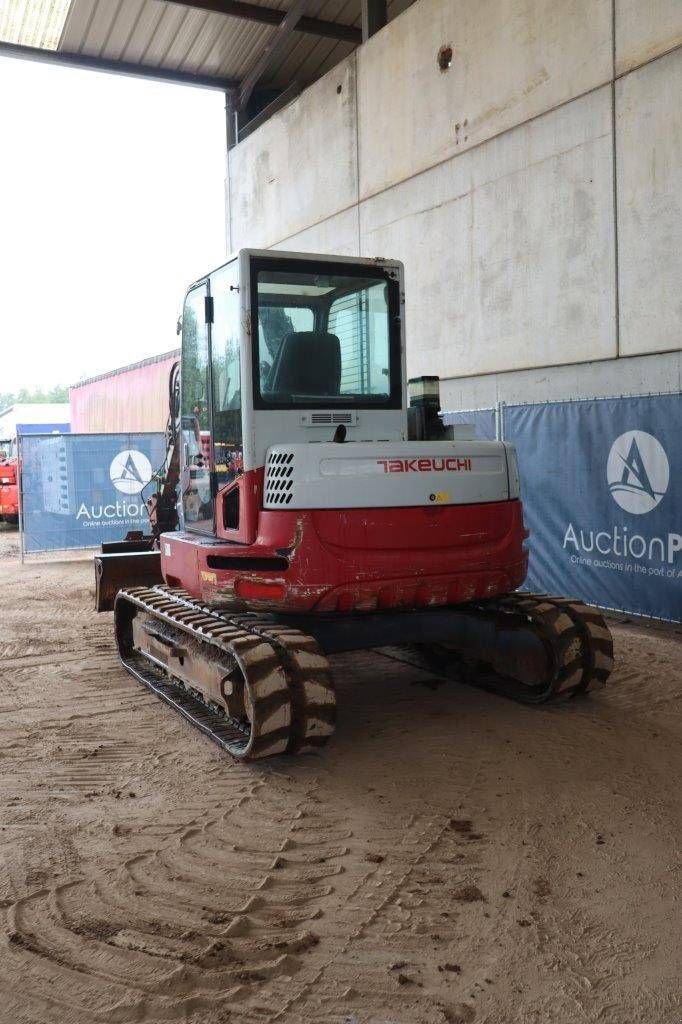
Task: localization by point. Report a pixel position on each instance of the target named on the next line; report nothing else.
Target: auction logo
(130, 471)
(637, 471)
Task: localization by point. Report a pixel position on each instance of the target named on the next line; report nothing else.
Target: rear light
(259, 591)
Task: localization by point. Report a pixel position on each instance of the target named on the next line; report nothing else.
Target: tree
(58, 393)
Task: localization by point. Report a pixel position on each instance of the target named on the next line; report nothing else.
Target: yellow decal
(208, 577)
(440, 497)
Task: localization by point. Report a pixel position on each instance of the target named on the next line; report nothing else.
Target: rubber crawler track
(286, 676)
(288, 679)
(577, 642)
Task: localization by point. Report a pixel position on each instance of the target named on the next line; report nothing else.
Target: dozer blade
(256, 689)
(119, 569)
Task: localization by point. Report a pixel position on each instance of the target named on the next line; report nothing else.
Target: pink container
(134, 398)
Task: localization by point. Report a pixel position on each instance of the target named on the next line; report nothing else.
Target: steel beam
(271, 16)
(272, 51)
(285, 97)
(374, 17)
(115, 67)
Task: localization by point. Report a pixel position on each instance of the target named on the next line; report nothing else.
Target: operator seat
(307, 363)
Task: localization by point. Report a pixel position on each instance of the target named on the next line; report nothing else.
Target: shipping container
(132, 398)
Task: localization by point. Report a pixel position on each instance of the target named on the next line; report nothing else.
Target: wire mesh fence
(77, 490)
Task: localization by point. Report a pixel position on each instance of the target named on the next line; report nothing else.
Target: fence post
(20, 493)
(499, 421)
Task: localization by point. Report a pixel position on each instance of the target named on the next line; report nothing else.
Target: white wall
(532, 189)
(300, 167)
(645, 29)
(32, 412)
(649, 174)
(512, 60)
(508, 249)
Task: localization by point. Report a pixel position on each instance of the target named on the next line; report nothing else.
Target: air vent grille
(332, 418)
(279, 482)
(328, 418)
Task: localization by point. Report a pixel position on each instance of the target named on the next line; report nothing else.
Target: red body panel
(250, 488)
(9, 492)
(356, 559)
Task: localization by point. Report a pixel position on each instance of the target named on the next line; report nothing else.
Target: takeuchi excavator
(306, 508)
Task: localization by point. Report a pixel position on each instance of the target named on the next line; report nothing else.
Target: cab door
(228, 453)
(196, 482)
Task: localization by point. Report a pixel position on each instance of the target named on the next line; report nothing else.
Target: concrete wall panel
(300, 167)
(637, 375)
(336, 235)
(648, 161)
(645, 30)
(511, 61)
(508, 249)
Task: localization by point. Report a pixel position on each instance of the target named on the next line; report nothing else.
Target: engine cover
(368, 474)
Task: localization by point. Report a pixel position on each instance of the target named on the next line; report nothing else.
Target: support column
(374, 17)
(231, 118)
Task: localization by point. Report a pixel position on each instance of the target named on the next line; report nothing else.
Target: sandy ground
(450, 857)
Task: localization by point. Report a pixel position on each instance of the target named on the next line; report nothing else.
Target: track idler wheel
(311, 687)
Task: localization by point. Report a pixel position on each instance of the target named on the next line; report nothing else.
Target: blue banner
(43, 428)
(81, 489)
(602, 493)
(482, 420)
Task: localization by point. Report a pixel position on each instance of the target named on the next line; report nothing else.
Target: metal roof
(173, 353)
(204, 42)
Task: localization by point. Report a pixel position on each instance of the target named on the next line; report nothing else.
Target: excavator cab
(302, 486)
(302, 482)
(275, 345)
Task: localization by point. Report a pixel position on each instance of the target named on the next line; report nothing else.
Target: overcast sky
(111, 203)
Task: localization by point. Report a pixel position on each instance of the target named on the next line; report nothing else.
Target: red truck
(9, 490)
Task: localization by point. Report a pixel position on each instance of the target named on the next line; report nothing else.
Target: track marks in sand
(203, 898)
(408, 860)
(389, 965)
(197, 920)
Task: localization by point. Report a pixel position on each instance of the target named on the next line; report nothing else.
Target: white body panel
(384, 475)
(263, 428)
(375, 466)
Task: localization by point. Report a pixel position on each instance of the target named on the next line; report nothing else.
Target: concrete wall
(531, 189)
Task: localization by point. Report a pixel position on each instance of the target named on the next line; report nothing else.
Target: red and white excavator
(305, 508)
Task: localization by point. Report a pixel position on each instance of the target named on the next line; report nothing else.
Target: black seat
(308, 363)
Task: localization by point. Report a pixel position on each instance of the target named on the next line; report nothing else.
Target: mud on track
(450, 857)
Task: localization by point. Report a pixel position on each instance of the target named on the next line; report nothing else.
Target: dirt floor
(450, 856)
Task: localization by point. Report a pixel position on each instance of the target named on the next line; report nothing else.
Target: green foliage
(59, 393)
(194, 366)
